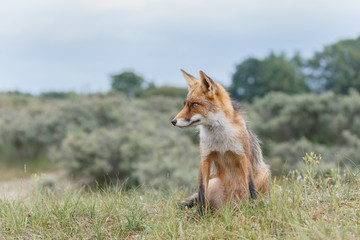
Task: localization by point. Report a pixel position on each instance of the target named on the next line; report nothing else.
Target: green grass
(306, 208)
(299, 206)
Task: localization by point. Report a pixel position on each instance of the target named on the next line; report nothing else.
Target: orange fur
(231, 166)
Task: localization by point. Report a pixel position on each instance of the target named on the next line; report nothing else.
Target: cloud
(85, 40)
(66, 20)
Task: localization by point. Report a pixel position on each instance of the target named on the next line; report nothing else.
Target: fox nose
(174, 122)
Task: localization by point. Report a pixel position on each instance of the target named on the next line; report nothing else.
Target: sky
(76, 45)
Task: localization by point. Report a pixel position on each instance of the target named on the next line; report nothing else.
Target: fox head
(205, 98)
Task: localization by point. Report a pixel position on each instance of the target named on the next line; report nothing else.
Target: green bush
(165, 91)
(100, 137)
(31, 129)
(290, 126)
(97, 156)
(145, 149)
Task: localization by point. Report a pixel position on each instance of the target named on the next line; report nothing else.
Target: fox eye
(193, 105)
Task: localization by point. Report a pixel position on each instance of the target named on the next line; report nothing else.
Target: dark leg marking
(201, 198)
(252, 188)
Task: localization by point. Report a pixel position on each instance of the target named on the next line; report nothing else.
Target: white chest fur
(218, 134)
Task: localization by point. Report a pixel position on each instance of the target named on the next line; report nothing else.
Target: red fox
(232, 165)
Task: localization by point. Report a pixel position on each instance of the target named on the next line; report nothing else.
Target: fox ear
(207, 84)
(191, 80)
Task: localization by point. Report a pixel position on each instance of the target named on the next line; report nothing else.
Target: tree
(129, 83)
(256, 78)
(337, 67)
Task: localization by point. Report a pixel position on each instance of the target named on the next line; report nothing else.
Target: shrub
(143, 148)
(290, 126)
(31, 129)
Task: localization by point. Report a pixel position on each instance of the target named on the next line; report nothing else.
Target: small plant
(312, 162)
(44, 183)
(135, 217)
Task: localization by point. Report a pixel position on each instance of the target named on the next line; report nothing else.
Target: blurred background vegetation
(295, 105)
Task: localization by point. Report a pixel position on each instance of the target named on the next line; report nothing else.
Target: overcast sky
(75, 45)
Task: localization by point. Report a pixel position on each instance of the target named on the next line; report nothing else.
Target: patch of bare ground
(28, 184)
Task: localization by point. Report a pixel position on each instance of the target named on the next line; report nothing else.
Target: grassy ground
(296, 208)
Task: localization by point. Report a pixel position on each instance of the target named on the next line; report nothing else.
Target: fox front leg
(204, 175)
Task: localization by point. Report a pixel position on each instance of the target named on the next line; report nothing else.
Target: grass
(297, 207)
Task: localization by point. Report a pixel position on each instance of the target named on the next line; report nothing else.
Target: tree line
(336, 68)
